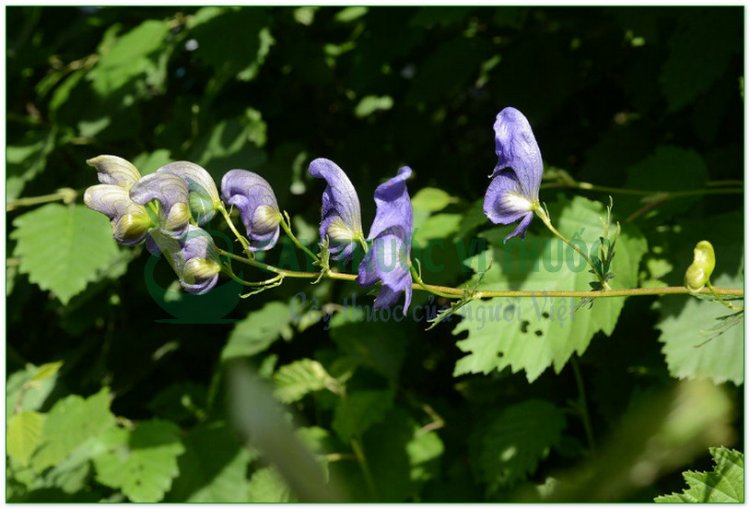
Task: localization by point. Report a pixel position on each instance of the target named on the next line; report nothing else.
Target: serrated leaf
(507, 448)
(359, 410)
(258, 331)
(267, 486)
(213, 468)
(24, 435)
(533, 334)
(70, 423)
(142, 462)
(693, 347)
(25, 390)
(63, 248)
(300, 378)
(725, 484)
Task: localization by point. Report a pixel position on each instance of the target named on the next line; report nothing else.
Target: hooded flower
(253, 195)
(341, 220)
(387, 260)
(193, 258)
(513, 193)
(203, 198)
(130, 221)
(170, 194)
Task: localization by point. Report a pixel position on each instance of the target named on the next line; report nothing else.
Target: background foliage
(116, 380)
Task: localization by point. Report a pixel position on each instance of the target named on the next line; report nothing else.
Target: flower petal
(341, 219)
(171, 193)
(393, 205)
(204, 197)
(504, 202)
(516, 148)
(130, 221)
(255, 199)
(115, 170)
(193, 258)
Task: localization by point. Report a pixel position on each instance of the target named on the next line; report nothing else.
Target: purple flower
(259, 211)
(341, 220)
(193, 258)
(130, 221)
(513, 193)
(387, 260)
(203, 198)
(168, 195)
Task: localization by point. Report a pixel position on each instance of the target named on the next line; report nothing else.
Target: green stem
(242, 240)
(429, 288)
(66, 195)
(582, 404)
(286, 225)
(714, 189)
(362, 460)
(363, 243)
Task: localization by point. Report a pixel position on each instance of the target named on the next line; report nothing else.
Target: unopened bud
(699, 272)
(265, 219)
(131, 228)
(178, 218)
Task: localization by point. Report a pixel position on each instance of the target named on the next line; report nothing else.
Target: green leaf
(508, 446)
(25, 160)
(439, 226)
(131, 56)
(258, 331)
(63, 248)
(535, 333)
(213, 468)
(24, 435)
(372, 103)
(359, 410)
(267, 486)
(300, 378)
(69, 424)
(725, 485)
(698, 343)
(700, 50)
(29, 389)
(141, 462)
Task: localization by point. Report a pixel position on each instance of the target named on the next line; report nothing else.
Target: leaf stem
(286, 225)
(65, 194)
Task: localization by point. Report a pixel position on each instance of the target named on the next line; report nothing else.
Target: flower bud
(131, 228)
(699, 272)
(178, 217)
(199, 269)
(266, 219)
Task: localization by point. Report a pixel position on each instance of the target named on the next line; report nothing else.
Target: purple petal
(341, 219)
(171, 193)
(516, 148)
(254, 197)
(130, 221)
(115, 171)
(520, 230)
(204, 197)
(387, 260)
(504, 202)
(193, 258)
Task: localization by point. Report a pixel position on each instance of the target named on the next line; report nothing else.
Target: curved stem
(242, 240)
(286, 225)
(439, 291)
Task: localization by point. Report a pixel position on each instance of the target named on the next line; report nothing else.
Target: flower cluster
(167, 209)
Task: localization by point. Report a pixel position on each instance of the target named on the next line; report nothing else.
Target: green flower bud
(699, 272)
(130, 228)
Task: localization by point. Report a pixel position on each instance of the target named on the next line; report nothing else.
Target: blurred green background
(116, 380)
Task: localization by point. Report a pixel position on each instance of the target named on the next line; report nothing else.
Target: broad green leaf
(702, 338)
(700, 50)
(28, 389)
(431, 199)
(300, 378)
(359, 410)
(142, 462)
(258, 331)
(149, 162)
(267, 486)
(213, 468)
(24, 435)
(724, 485)
(439, 226)
(369, 339)
(70, 423)
(131, 56)
(508, 446)
(25, 160)
(533, 334)
(63, 248)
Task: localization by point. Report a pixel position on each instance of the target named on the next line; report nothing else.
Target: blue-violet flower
(513, 193)
(260, 214)
(169, 195)
(193, 258)
(203, 197)
(387, 260)
(341, 219)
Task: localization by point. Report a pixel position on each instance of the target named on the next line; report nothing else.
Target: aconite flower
(513, 193)
(166, 195)
(203, 197)
(387, 261)
(260, 214)
(130, 221)
(341, 219)
(193, 258)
